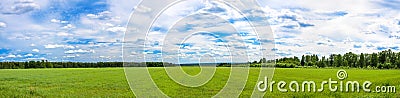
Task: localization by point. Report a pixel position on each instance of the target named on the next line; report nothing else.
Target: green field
(111, 82)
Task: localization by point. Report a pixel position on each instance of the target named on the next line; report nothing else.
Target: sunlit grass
(111, 82)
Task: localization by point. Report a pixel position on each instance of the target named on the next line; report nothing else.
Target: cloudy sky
(93, 30)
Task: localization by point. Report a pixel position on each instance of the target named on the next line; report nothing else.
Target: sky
(93, 30)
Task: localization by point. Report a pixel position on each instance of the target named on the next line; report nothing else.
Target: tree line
(386, 59)
(47, 64)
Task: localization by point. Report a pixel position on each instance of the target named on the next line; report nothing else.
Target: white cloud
(101, 15)
(21, 7)
(3, 25)
(55, 21)
(63, 34)
(28, 55)
(52, 46)
(79, 51)
(58, 21)
(68, 26)
(34, 59)
(109, 24)
(69, 56)
(27, 30)
(69, 47)
(320, 4)
(143, 9)
(336, 29)
(35, 50)
(116, 29)
(361, 26)
(11, 56)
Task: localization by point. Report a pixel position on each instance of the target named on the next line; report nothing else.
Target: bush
(285, 65)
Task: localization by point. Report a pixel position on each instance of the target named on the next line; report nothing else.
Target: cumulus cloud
(79, 51)
(21, 7)
(11, 56)
(28, 55)
(52, 46)
(308, 28)
(35, 50)
(58, 21)
(116, 29)
(68, 26)
(63, 34)
(299, 28)
(3, 25)
(143, 9)
(50, 26)
(105, 15)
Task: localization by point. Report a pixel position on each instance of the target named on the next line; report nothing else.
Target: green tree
(338, 61)
(331, 60)
(302, 62)
(361, 62)
(322, 62)
(374, 60)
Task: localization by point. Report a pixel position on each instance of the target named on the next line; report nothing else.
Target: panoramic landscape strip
(199, 48)
(308, 76)
(386, 59)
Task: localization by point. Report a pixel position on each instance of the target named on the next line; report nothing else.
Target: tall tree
(374, 60)
(302, 62)
(331, 60)
(361, 62)
(338, 60)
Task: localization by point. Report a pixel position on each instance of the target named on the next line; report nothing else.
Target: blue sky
(93, 30)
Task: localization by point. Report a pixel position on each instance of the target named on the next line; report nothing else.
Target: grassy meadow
(111, 82)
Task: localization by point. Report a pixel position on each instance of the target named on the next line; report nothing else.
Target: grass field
(111, 82)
